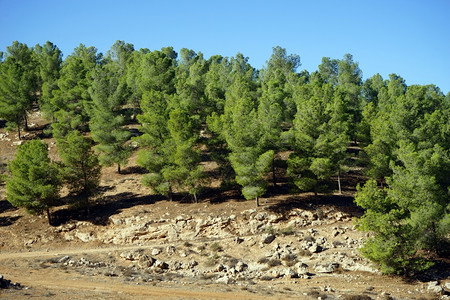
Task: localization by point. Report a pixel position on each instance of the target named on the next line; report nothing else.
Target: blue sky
(409, 38)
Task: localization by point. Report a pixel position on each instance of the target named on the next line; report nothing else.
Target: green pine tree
(34, 182)
(107, 119)
(18, 85)
(80, 167)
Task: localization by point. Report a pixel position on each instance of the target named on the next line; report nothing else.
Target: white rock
(326, 268)
(290, 273)
(315, 248)
(433, 286)
(156, 251)
(301, 268)
(84, 237)
(224, 279)
(161, 264)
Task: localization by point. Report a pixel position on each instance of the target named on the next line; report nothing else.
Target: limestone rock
(434, 287)
(156, 251)
(225, 279)
(326, 268)
(301, 268)
(146, 261)
(290, 273)
(84, 237)
(159, 264)
(315, 248)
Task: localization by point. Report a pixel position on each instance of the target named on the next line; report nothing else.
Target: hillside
(137, 245)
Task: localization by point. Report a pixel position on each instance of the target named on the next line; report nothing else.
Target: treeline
(244, 118)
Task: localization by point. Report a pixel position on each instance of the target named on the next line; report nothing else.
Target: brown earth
(133, 244)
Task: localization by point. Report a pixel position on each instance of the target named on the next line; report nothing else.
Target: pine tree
(320, 137)
(80, 167)
(49, 59)
(34, 182)
(18, 85)
(72, 96)
(107, 119)
(243, 132)
(169, 143)
(411, 213)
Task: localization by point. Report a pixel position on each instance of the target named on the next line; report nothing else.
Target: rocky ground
(298, 246)
(240, 251)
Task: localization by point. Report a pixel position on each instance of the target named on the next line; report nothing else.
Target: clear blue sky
(410, 38)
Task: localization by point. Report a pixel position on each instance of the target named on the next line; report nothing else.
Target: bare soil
(113, 253)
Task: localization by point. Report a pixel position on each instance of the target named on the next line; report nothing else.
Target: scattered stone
(240, 266)
(326, 268)
(29, 243)
(63, 259)
(219, 268)
(238, 240)
(267, 238)
(290, 273)
(128, 255)
(84, 237)
(161, 265)
(190, 265)
(260, 216)
(434, 287)
(301, 268)
(170, 249)
(146, 261)
(156, 251)
(315, 248)
(225, 279)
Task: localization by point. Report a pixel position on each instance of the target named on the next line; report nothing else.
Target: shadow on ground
(6, 221)
(6, 206)
(102, 209)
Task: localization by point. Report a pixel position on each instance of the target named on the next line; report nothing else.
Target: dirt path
(54, 283)
(70, 251)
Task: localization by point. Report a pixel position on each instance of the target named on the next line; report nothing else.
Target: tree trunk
(339, 182)
(274, 178)
(118, 168)
(195, 198)
(26, 121)
(18, 126)
(257, 201)
(169, 194)
(85, 190)
(49, 216)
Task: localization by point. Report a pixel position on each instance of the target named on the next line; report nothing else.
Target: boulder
(301, 268)
(290, 273)
(315, 248)
(146, 261)
(225, 279)
(260, 216)
(159, 264)
(129, 255)
(434, 287)
(84, 237)
(267, 238)
(326, 268)
(156, 251)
